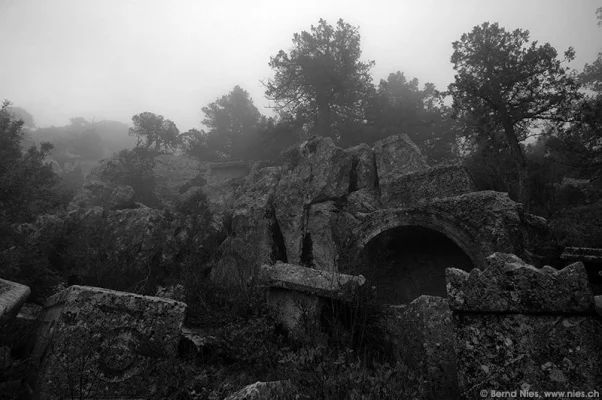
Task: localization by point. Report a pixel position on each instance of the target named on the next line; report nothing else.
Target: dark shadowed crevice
(307, 258)
(353, 175)
(278, 246)
(407, 262)
(376, 182)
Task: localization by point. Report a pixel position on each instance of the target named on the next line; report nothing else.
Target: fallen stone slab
(316, 282)
(396, 155)
(12, 297)
(512, 286)
(104, 343)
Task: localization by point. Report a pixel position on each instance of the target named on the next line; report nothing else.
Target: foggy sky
(111, 59)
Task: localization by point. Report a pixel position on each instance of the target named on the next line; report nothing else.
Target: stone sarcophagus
(519, 328)
(99, 343)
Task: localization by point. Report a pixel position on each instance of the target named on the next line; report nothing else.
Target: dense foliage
(322, 82)
(154, 132)
(506, 84)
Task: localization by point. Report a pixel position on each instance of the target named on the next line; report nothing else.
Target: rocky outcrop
(257, 236)
(140, 242)
(363, 168)
(313, 172)
(324, 204)
(395, 156)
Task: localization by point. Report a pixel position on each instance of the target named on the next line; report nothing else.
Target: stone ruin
(517, 328)
(98, 343)
(329, 223)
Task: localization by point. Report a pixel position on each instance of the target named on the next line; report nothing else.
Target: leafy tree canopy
(234, 123)
(401, 106)
(321, 81)
(506, 83)
(154, 132)
(27, 183)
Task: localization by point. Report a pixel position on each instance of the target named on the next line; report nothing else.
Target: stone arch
(404, 252)
(466, 237)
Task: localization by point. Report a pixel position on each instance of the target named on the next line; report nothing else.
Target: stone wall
(424, 186)
(104, 343)
(517, 328)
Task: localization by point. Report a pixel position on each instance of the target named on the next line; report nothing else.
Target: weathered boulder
(221, 196)
(314, 171)
(320, 246)
(362, 202)
(363, 169)
(421, 337)
(395, 156)
(258, 189)
(511, 285)
(423, 186)
(258, 239)
(130, 242)
(265, 390)
(104, 342)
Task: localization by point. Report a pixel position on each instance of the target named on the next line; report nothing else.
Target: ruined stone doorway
(409, 261)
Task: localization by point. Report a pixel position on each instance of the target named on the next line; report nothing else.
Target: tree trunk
(521, 164)
(324, 123)
(517, 152)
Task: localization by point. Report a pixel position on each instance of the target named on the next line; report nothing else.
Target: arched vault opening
(408, 261)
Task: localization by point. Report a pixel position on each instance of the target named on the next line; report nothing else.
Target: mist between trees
(515, 115)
